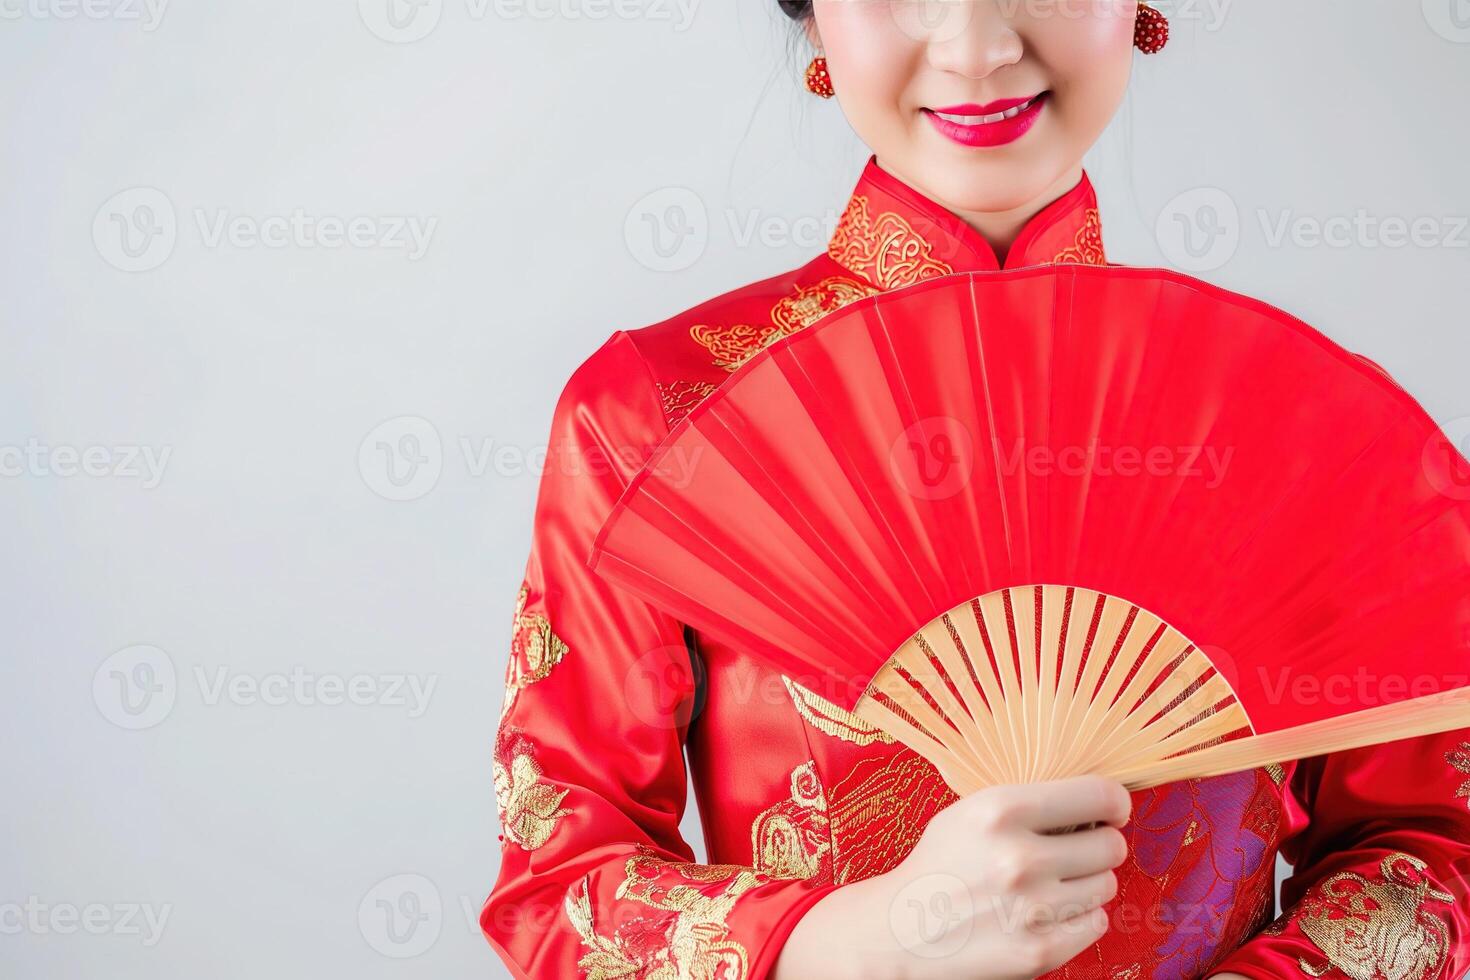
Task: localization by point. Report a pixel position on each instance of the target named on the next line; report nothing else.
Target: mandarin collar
(892, 235)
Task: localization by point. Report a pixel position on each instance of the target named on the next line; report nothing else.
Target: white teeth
(985, 120)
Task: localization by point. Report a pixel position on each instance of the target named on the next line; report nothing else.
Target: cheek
(1089, 60)
(1085, 50)
(871, 60)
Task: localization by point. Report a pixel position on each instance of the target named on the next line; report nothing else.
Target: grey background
(275, 831)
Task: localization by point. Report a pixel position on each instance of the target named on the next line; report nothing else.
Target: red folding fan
(1072, 519)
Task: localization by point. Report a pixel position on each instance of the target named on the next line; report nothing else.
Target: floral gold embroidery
(1372, 929)
(878, 812)
(791, 839)
(1088, 248)
(534, 650)
(685, 938)
(529, 809)
(1459, 757)
(680, 398)
(810, 303)
(829, 719)
(735, 344)
(885, 250)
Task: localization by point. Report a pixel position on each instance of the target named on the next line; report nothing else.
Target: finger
(1066, 802)
(1082, 853)
(1078, 896)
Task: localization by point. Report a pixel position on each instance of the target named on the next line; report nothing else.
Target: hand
(987, 893)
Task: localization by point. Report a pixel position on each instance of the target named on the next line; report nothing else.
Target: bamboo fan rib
(1045, 682)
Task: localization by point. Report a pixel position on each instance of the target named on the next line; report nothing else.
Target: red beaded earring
(818, 82)
(1151, 31)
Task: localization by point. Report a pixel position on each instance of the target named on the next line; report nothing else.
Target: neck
(1002, 228)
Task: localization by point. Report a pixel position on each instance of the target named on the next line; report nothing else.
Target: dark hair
(796, 9)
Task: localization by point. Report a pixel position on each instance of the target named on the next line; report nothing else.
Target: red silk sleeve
(595, 879)
(1380, 887)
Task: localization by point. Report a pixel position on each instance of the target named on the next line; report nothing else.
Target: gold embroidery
(1459, 757)
(829, 719)
(681, 397)
(791, 839)
(689, 941)
(1377, 929)
(529, 809)
(737, 343)
(534, 651)
(878, 812)
(885, 250)
(605, 958)
(732, 345)
(810, 303)
(1088, 248)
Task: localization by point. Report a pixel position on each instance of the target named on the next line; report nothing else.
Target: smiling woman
(834, 850)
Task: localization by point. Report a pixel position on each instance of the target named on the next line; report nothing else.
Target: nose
(972, 38)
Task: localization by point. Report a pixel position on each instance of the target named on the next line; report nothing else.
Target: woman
(838, 853)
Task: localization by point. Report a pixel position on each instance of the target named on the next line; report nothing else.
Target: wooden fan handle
(1428, 715)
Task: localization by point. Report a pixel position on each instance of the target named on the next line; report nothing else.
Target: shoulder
(681, 360)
